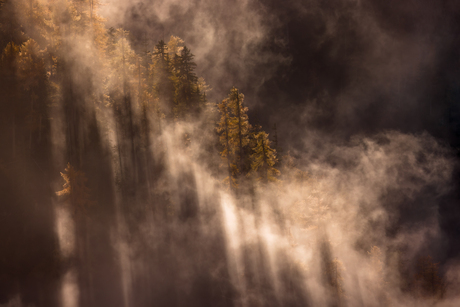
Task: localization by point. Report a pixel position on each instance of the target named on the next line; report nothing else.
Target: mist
(216, 153)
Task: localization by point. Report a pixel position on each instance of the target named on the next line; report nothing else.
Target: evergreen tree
(123, 76)
(239, 130)
(264, 158)
(163, 79)
(223, 129)
(187, 91)
(175, 46)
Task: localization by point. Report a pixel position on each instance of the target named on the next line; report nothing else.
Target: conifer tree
(187, 92)
(123, 61)
(163, 79)
(234, 133)
(175, 46)
(239, 129)
(36, 19)
(223, 129)
(264, 158)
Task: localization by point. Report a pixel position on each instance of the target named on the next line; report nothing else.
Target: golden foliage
(264, 158)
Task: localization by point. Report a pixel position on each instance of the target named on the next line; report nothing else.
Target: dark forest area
(205, 153)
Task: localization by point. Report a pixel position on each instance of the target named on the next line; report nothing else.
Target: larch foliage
(9, 58)
(162, 80)
(8, 66)
(31, 65)
(123, 60)
(175, 46)
(203, 88)
(239, 128)
(264, 158)
(223, 129)
(233, 129)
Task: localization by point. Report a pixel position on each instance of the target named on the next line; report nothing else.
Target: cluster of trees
(39, 71)
(62, 56)
(61, 62)
(68, 84)
(245, 150)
